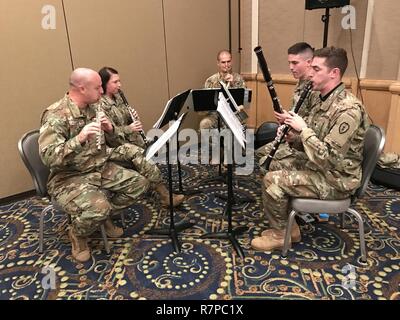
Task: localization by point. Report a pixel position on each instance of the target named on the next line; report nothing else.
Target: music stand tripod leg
(230, 234)
(180, 184)
(174, 229)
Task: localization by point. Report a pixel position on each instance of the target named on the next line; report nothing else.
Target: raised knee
(205, 124)
(268, 178)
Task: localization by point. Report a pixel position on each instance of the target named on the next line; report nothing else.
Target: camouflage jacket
(60, 149)
(118, 113)
(334, 138)
(389, 160)
(213, 81)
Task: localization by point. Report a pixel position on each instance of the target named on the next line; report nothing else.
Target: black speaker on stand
(325, 4)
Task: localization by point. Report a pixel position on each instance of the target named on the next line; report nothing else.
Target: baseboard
(17, 197)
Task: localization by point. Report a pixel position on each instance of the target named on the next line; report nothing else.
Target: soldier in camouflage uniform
(389, 160)
(232, 80)
(82, 167)
(332, 139)
(127, 130)
(224, 74)
(299, 58)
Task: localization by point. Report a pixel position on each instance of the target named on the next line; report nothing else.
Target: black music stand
(171, 112)
(207, 100)
(237, 129)
(173, 229)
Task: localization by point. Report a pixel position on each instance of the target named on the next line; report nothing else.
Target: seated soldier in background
(227, 76)
(299, 58)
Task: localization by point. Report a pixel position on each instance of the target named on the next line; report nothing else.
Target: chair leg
(289, 226)
(342, 220)
(104, 235)
(41, 226)
(123, 219)
(361, 232)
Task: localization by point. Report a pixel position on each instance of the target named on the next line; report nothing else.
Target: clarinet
(99, 134)
(278, 140)
(134, 118)
(276, 103)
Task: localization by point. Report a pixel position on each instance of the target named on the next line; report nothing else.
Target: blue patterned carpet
(324, 265)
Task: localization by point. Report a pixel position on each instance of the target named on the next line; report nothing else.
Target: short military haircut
(335, 58)
(301, 47)
(223, 51)
(105, 75)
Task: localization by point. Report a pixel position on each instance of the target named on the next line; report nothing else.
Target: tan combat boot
(112, 230)
(273, 240)
(177, 199)
(80, 248)
(295, 234)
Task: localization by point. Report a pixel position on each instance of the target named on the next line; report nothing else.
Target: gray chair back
(374, 142)
(28, 148)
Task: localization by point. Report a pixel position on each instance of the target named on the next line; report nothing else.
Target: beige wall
(159, 47)
(245, 35)
(284, 22)
(384, 55)
(34, 71)
(132, 43)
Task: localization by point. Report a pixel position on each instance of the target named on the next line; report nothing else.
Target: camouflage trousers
(90, 198)
(288, 177)
(132, 155)
(389, 160)
(279, 186)
(285, 158)
(210, 121)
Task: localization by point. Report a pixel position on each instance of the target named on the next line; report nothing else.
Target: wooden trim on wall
(394, 88)
(377, 85)
(392, 128)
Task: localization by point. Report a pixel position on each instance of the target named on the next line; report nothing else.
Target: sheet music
(231, 99)
(167, 135)
(231, 120)
(157, 124)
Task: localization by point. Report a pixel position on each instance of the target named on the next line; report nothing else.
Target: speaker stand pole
(325, 20)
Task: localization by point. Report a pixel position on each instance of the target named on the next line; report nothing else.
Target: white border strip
(254, 34)
(367, 39)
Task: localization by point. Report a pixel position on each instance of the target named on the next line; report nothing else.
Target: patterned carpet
(324, 265)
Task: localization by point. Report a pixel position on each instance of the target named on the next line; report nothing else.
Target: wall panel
(193, 39)
(129, 36)
(34, 73)
(384, 56)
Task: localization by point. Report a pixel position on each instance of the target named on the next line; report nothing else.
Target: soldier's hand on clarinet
(281, 117)
(135, 114)
(89, 132)
(228, 78)
(296, 122)
(136, 126)
(290, 135)
(106, 124)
